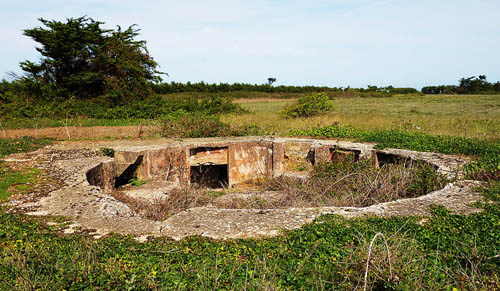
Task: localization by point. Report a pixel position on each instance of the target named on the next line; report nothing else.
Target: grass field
(455, 115)
(475, 116)
(440, 252)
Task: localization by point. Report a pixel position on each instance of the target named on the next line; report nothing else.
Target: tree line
(88, 70)
(470, 85)
(81, 60)
(203, 87)
(175, 87)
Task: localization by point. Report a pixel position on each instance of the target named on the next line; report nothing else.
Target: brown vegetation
(347, 183)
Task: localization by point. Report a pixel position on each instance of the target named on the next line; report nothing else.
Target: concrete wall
(248, 161)
(245, 159)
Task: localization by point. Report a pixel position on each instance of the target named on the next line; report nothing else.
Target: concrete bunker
(225, 164)
(209, 165)
(90, 197)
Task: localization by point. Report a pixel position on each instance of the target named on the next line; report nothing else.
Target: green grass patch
(17, 145)
(444, 252)
(454, 115)
(137, 182)
(16, 181)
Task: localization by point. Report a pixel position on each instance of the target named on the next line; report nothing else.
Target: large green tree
(80, 59)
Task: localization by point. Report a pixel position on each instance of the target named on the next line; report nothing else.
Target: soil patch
(75, 132)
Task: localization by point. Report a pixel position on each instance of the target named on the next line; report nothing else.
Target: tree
(271, 80)
(80, 59)
(473, 85)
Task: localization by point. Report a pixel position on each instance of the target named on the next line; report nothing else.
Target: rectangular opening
(341, 155)
(209, 166)
(209, 176)
(386, 158)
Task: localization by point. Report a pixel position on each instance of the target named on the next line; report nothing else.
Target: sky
(404, 43)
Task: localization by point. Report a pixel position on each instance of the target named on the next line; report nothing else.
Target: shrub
(195, 125)
(218, 105)
(154, 107)
(318, 103)
(108, 152)
(182, 124)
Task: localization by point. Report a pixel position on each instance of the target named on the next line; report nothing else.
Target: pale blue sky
(316, 42)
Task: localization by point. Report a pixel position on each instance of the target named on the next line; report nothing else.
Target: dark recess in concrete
(129, 173)
(210, 176)
(340, 155)
(385, 158)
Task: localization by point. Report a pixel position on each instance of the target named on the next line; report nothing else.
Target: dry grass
(403, 259)
(455, 115)
(355, 184)
(346, 183)
(264, 100)
(94, 132)
(160, 209)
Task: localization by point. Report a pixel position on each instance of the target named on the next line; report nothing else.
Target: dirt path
(74, 132)
(257, 100)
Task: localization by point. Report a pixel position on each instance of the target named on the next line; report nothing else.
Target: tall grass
(466, 116)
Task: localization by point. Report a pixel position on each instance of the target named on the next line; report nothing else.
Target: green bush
(425, 180)
(194, 125)
(182, 124)
(217, 105)
(315, 104)
(108, 152)
(154, 107)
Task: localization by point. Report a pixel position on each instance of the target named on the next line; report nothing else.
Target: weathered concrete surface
(249, 161)
(244, 223)
(448, 165)
(90, 207)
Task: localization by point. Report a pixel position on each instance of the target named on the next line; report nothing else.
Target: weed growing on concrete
(358, 184)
